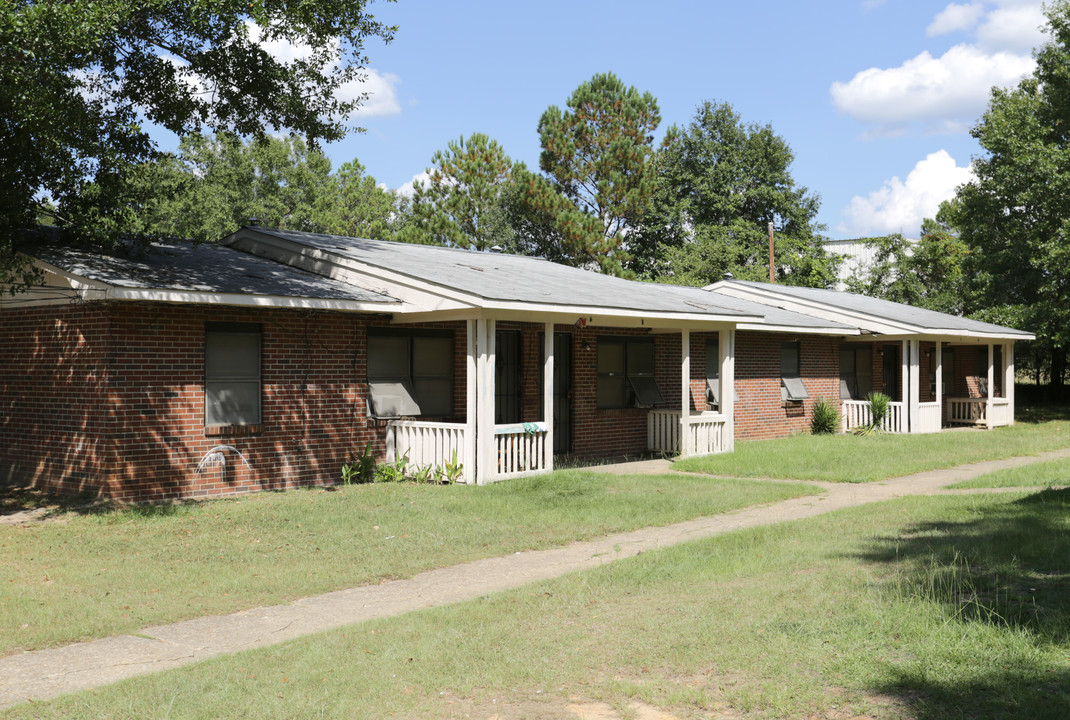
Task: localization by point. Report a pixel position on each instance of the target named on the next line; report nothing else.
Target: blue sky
(875, 97)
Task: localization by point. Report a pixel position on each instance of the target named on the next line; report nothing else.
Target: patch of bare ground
(550, 708)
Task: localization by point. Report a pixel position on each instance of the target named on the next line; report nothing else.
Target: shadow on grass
(1041, 413)
(21, 504)
(1009, 569)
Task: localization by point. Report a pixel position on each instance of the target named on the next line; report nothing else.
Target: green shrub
(878, 409)
(825, 417)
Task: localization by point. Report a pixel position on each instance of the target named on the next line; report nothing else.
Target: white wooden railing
(521, 449)
(433, 444)
(929, 417)
(429, 444)
(856, 414)
(967, 411)
(999, 412)
(707, 432)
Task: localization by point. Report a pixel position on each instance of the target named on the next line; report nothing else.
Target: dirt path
(49, 673)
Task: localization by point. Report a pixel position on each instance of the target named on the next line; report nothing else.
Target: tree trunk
(1058, 366)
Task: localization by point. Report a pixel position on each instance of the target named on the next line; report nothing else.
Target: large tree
(460, 202)
(929, 273)
(721, 182)
(81, 79)
(213, 185)
(1015, 216)
(596, 154)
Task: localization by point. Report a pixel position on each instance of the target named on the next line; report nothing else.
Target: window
(626, 373)
(856, 372)
(231, 374)
(410, 372)
(791, 385)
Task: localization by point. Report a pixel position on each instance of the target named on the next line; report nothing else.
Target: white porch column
(685, 393)
(991, 388)
(914, 395)
(940, 381)
(726, 342)
(486, 463)
(904, 384)
(548, 394)
(1008, 378)
(471, 411)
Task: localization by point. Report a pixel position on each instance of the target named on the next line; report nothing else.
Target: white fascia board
(415, 295)
(493, 306)
(816, 309)
(799, 330)
(71, 279)
(201, 297)
(593, 317)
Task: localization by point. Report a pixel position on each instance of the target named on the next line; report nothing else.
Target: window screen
(856, 372)
(791, 385)
(410, 372)
(626, 373)
(231, 374)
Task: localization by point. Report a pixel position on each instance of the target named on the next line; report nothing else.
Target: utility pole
(772, 274)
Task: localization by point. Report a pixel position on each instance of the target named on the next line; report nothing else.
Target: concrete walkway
(49, 673)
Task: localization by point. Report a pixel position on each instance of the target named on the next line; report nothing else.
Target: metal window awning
(646, 390)
(793, 390)
(391, 399)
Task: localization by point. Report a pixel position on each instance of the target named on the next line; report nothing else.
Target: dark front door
(562, 393)
(507, 377)
(891, 370)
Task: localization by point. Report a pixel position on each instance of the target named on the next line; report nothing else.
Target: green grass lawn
(926, 608)
(107, 570)
(852, 458)
(1055, 473)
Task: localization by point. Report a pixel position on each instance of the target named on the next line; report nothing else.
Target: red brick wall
(54, 379)
(760, 413)
(110, 397)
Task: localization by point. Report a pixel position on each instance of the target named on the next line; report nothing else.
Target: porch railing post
(904, 384)
(471, 409)
(940, 380)
(486, 462)
(991, 389)
(685, 393)
(548, 394)
(913, 405)
(726, 342)
(1008, 379)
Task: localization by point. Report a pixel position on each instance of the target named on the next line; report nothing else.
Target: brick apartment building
(270, 359)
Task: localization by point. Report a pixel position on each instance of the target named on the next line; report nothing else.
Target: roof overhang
(63, 286)
(867, 323)
(427, 301)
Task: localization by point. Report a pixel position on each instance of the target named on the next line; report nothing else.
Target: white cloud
(955, 17)
(900, 206)
(947, 92)
(382, 98)
(408, 189)
(1018, 28)
(382, 94)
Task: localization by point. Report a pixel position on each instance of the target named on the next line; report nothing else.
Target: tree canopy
(720, 183)
(213, 185)
(1015, 216)
(460, 203)
(928, 273)
(81, 79)
(596, 156)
